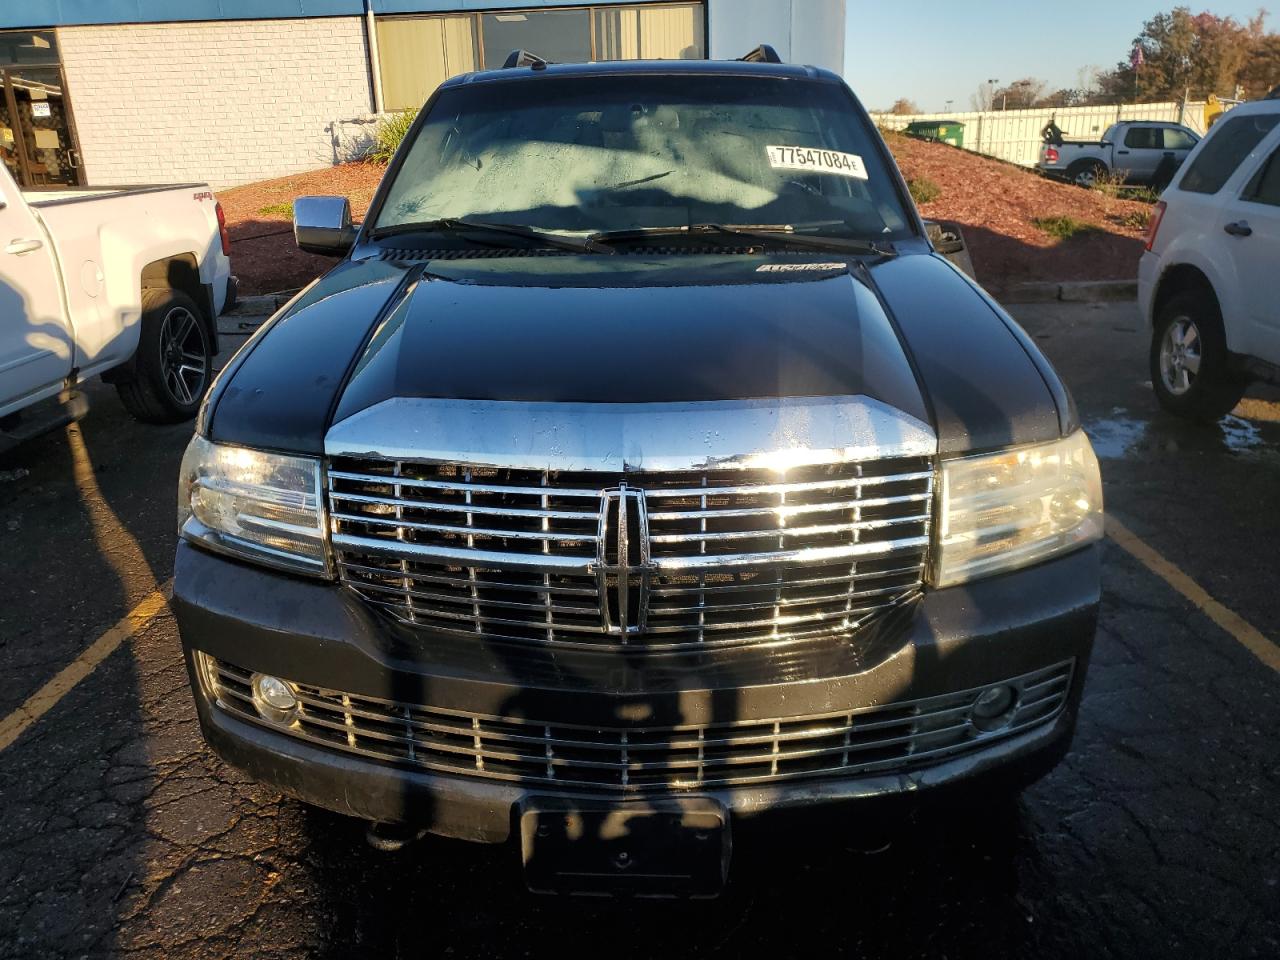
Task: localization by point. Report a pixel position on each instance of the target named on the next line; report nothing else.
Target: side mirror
(323, 225)
(948, 240)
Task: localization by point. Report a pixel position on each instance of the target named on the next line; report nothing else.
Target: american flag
(1136, 59)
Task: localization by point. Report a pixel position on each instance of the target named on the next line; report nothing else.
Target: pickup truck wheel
(1085, 173)
(174, 362)
(1189, 363)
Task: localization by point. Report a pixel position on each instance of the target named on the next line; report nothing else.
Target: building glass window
(666, 32)
(37, 134)
(561, 36)
(417, 54)
(28, 48)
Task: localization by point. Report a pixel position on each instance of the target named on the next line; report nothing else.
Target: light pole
(991, 93)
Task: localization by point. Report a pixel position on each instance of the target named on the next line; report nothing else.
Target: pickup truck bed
(82, 268)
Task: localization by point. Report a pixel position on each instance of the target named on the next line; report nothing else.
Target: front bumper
(317, 633)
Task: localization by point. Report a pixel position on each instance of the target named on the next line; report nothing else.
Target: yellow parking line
(1244, 632)
(44, 699)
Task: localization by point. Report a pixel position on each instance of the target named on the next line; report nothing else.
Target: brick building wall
(225, 102)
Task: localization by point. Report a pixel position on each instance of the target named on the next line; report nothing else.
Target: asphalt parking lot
(1159, 835)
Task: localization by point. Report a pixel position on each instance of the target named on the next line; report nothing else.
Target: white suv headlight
(264, 507)
(1013, 509)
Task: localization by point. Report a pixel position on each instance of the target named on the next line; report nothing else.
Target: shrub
(1063, 228)
(1109, 183)
(1134, 219)
(923, 190)
(389, 134)
(277, 210)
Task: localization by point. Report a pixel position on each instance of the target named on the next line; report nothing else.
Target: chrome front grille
(892, 737)
(660, 559)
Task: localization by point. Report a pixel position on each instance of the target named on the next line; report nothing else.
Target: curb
(264, 305)
(249, 313)
(1078, 291)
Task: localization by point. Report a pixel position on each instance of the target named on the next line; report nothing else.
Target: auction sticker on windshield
(817, 159)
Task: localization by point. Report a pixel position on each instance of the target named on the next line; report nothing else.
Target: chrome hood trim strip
(773, 434)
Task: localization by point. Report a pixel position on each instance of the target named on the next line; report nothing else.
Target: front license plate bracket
(662, 848)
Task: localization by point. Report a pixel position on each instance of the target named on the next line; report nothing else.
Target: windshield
(593, 154)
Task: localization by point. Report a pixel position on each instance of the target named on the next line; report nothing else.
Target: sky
(932, 51)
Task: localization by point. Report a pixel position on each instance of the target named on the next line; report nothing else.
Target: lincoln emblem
(622, 565)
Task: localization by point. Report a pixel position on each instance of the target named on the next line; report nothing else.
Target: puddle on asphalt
(1114, 437)
(1120, 435)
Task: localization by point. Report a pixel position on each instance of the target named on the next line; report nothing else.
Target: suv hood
(636, 332)
(910, 333)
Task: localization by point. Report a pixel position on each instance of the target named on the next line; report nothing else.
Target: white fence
(1014, 135)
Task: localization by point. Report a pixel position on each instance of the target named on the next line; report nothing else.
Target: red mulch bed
(263, 255)
(994, 202)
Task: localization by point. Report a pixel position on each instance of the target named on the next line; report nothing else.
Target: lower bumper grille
(888, 738)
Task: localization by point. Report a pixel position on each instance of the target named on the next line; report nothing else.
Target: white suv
(1209, 283)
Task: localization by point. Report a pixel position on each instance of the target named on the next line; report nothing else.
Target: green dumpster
(943, 131)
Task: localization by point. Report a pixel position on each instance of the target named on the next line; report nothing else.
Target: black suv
(641, 469)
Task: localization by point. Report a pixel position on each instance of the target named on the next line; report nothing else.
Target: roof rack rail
(762, 54)
(524, 58)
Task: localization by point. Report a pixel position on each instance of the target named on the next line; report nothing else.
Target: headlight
(264, 507)
(1013, 509)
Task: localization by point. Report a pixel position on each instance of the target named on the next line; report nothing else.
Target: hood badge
(623, 568)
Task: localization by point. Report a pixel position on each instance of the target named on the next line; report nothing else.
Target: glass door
(38, 118)
(9, 140)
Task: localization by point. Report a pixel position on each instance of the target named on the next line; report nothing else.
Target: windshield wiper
(785, 233)
(461, 225)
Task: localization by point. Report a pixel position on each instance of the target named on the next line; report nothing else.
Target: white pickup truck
(125, 282)
(1144, 151)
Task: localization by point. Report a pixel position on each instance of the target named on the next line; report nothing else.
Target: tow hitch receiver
(666, 848)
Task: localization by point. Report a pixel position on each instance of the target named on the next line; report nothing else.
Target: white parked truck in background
(126, 283)
(1144, 151)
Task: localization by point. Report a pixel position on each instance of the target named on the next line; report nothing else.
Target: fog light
(273, 697)
(994, 707)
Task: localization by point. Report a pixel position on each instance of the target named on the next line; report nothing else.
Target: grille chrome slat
(455, 487)
(855, 742)
(811, 531)
(788, 511)
(914, 571)
(468, 601)
(806, 555)
(801, 487)
(466, 583)
(781, 620)
(442, 507)
(480, 559)
(586, 558)
(465, 531)
(658, 610)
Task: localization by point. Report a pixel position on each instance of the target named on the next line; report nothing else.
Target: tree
(1201, 53)
(1066, 97)
(1019, 95)
(1262, 73)
(904, 107)
(980, 99)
